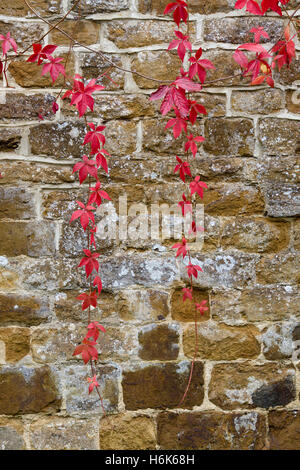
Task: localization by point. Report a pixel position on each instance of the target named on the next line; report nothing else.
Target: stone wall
(245, 388)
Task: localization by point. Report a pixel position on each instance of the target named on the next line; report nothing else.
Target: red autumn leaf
(82, 95)
(85, 168)
(179, 125)
(271, 5)
(94, 137)
(192, 270)
(88, 300)
(199, 67)
(87, 350)
(94, 328)
(182, 44)
(252, 6)
(101, 160)
(197, 186)
(89, 261)
(181, 248)
(201, 307)
(97, 195)
(98, 283)
(85, 215)
(186, 206)
(195, 109)
(183, 168)
(40, 53)
(194, 229)
(191, 143)
(55, 107)
(93, 383)
(187, 294)
(8, 43)
(54, 67)
(258, 32)
(179, 9)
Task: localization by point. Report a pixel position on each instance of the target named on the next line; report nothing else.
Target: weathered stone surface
(27, 390)
(16, 203)
(127, 271)
(293, 101)
(255, 304)
(212, 6)
(282, 199)
(244, 385)
(136, 33)
(225, 66)
(14, 172)
(160, 140)
(220, 342)
(53, 433)
(55, 344)
(257, 102)
(159, 342)
(90, 7)
(84, 31)
(10, 139)
(280, 179)
(19, 8)
(28, 75)
(155, 64)
(237, 30)
(224, 269)
(278, 341)
(211, 430)
(255, 235)
(279, 268)
(58, 140)
(11, 434)
(185, 311)
(126, 432)
(27, 238)
(122, 137)
(287, 76)
(296, 234)
(26, 107)
(16, 343)
(162, 386)
(24, 33)
(94, 65)
(279, 136)
(232, 136)
(214, 103)
(20, 309)
(143, 305)
(77, 399)
(125, 106)
(284, 430)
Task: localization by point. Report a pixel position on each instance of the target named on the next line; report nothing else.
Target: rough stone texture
(284, 430)
(162, 386)
(229, 136)
(63, 434)
(16, 343)
(279, 136)
(27, 390)
(248, 339)
(211, 431)
(11, 435)
(124, 432)
(258, 101)
(185, 311)
(27, 238)
(244, 385)
(22, 309)
(159, 342)
(220, 342)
